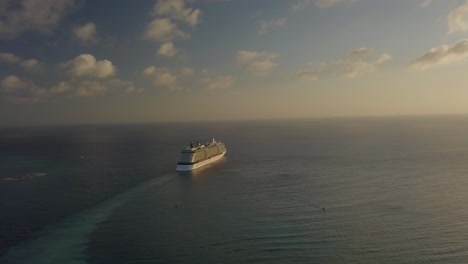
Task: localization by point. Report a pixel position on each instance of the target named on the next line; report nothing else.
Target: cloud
(86, 65)
(442, 55)
(12, 83)
(61, 88)
(353, 69)
(127, 87)
(308, 75)
(260, 63)
(246, 56)
(28, 64)
(18, 90)
(187, 71)
(133, 89)
(163, 30)
(167, 49)
(261, 67)
(457, 19)
(267, 25)
(162, 77)
(176, 10)
(87, 33)
(89, 88)
(383, 59)
(357, 63)
(298, 6)
(40, 16)
(425, 3)
(359, 54)
(13, 59)
(218, 83)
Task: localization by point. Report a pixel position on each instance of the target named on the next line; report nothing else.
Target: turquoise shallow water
(393, 189)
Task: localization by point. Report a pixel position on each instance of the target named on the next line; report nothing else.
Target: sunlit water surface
(390, 190)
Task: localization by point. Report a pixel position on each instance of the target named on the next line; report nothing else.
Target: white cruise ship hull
(186, 167)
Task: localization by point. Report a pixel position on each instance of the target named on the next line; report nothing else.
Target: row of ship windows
(186, 157)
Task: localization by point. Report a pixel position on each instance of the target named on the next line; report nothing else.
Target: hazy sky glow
(78, 61)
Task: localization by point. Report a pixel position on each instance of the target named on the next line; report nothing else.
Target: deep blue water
(394, 191)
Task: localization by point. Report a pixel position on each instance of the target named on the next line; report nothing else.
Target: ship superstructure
(197, 156)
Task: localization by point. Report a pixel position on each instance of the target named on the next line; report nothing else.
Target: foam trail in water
(25, 177)
(65, 241)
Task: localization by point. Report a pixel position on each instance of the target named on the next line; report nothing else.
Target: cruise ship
(194, 157)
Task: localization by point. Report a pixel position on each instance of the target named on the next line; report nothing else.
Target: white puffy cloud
(260, 63)
(163, 30)
(218, 83)
(383, 59)
(356, 69)
(86, 65)
(162, 77)
(13, 59)
(29, 63)
(61, 88)
(86, 33)
(127, 87)
(360, 53)
(175, 9)
(357, 63)
(267, 25)
(246, 56)
(457, 19)
(13, 83)
(261, 67)
(41, 16)
(167, 49)
(442, 55)
(90, 88)
(9, 58)
(19, 90)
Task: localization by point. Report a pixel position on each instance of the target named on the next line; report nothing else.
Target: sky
(116, 61)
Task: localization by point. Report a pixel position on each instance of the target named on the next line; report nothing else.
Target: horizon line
(172, 122)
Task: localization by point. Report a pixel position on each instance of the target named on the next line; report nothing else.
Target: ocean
(343, 190)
